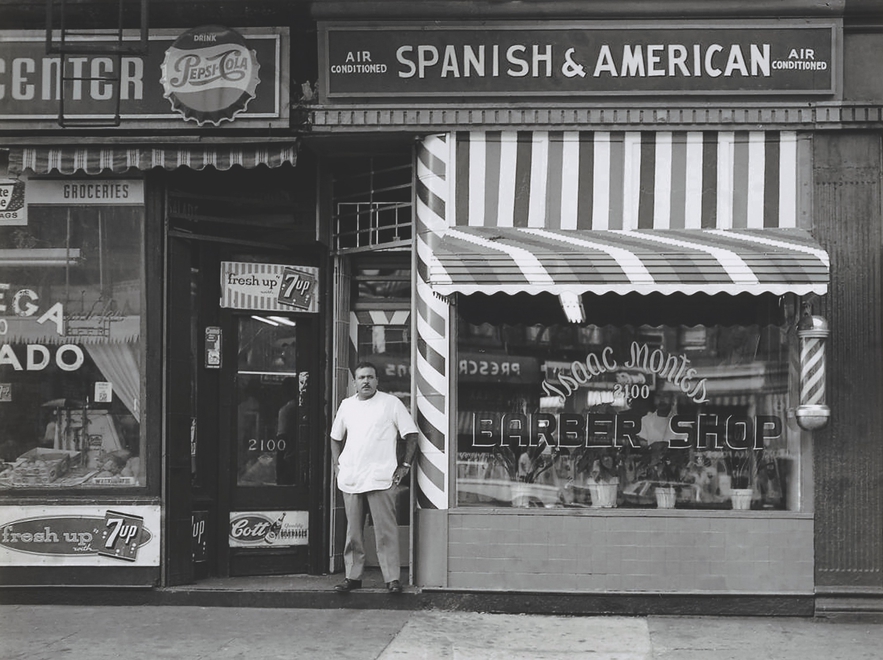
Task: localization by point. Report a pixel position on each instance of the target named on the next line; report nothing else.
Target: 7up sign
(120, 536)
(269, 287)
(297, 288)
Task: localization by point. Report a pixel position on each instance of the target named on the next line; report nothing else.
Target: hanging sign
(209, 75)
(518, 60)
(269, 287)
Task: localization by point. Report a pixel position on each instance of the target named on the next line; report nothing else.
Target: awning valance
(70, 159)
(513, 260)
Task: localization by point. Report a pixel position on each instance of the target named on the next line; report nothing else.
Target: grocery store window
(654, 402)
(71, 284)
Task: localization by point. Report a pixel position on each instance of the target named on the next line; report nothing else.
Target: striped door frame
(577, 180)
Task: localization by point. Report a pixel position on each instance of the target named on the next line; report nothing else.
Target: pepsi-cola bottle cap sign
(209, 74)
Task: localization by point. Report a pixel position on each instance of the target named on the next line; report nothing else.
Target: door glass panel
(269, 393)
(388, 347)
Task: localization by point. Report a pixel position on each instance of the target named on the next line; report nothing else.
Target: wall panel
(849, 453)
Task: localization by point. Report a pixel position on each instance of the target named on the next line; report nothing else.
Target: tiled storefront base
(627, 551)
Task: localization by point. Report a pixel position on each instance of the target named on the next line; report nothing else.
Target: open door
(268, 391)
(375, 295)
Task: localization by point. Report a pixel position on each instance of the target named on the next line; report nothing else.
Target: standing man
(363, 455)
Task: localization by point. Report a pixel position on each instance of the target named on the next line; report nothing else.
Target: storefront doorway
(248, 416)
(267, 446)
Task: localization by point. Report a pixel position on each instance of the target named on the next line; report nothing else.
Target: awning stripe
(626, 180)
(767, 239)
(630, 264)
(512, 260)
(119, 159)
(732, 264)
(530, 266)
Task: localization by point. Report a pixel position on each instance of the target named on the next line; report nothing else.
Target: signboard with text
(158, 87)
(269, 287)
(89, 192)
(517, 60)
(17, 195)
(269, 529)
(80, 536)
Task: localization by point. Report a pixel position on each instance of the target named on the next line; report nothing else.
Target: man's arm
(405, 466)
(336, 448)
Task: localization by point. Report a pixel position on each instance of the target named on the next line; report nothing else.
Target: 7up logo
(297, 288)
(120, 536)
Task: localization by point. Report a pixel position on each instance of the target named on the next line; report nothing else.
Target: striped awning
(626, 180)
(514, 260)
(70, 159)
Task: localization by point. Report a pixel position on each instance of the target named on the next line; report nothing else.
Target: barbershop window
(653, 401)
(70, 349)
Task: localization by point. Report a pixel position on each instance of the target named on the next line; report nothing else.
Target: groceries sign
(209, 75)
(516, 60)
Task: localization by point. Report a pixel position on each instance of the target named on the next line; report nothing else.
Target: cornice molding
(340, 118)
(573, 9)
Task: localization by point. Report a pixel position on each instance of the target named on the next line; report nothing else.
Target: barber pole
(432, 326)
(812, 413)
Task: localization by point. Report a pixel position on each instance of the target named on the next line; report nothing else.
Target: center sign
(210, 75)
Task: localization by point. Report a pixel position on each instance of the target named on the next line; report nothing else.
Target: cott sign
(268, 529)
(209, 74)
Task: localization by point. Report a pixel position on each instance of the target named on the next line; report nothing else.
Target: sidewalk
(44, 632)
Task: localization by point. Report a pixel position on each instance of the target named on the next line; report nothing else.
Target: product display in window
(603, 416)
(70, 349)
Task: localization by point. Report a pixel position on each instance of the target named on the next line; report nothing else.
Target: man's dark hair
(364, 364)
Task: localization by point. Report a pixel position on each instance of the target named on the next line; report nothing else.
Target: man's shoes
(394, 587)
(347, 585)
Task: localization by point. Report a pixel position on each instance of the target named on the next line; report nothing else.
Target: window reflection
(70, 357)
(681, 416)
(381, 284)
(270, 403)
